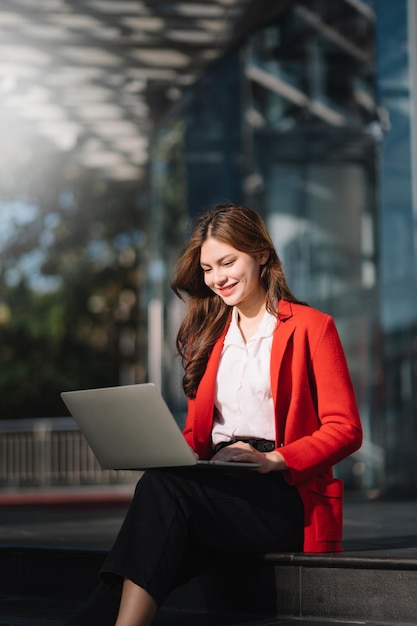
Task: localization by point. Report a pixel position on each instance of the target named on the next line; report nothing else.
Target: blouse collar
(266, 328)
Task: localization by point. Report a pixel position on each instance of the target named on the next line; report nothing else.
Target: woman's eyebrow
(220, 260)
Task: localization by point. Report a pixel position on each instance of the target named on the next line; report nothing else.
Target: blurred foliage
(71, 272)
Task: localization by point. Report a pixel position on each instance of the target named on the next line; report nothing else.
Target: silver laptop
(131, 427)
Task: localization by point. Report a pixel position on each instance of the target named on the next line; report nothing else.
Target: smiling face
(232, 274)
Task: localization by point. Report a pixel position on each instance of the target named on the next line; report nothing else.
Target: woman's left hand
(241, 452)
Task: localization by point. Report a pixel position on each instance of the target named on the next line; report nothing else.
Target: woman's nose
(219, 276)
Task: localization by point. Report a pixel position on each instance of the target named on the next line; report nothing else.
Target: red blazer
(317, 422)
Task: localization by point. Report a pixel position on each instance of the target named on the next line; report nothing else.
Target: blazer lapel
(280, 383)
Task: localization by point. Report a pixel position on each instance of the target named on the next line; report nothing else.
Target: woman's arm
(339, 431)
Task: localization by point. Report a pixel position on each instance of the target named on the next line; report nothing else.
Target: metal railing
(51, 452)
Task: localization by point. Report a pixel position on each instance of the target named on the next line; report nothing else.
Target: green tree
(71, 279)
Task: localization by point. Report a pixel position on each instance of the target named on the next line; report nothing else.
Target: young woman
(267, 382)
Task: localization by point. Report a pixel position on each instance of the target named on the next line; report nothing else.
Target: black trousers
(179, 514)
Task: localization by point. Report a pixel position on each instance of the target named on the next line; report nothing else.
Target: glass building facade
(310, 121)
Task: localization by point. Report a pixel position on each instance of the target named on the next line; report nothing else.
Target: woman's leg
(137, 607)
(175, 511)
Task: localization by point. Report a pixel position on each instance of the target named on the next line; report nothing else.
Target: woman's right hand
(244, 453)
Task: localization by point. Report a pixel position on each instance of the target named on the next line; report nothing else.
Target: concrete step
(331, 588)
(43, 612)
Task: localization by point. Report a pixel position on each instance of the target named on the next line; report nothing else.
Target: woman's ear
(263, 257)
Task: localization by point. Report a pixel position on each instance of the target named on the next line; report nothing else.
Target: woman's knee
(165, 482)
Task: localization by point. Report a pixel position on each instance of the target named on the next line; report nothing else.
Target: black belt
(262, 445)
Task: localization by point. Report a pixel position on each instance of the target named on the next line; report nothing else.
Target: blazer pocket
(327, 509)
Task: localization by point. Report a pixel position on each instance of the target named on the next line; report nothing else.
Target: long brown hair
(207, 314)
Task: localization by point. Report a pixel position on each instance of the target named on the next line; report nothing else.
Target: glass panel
(315, 128)
(398, 243)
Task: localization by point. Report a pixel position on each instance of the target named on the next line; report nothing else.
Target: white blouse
(244, 406)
